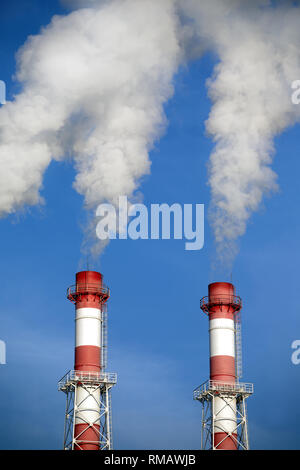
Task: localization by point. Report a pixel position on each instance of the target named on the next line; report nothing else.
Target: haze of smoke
(94, 85)
(259, 57)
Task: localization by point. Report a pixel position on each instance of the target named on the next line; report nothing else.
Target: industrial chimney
(223, 396)
(88, 411)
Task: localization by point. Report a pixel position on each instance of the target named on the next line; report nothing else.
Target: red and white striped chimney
(221, 306)
(89, 295)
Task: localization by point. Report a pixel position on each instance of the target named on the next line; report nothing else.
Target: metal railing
(87, 377)
(88, 288)
(233, 301)
(214, 386)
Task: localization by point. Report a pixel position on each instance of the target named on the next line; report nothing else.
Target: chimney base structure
(88, 424)
(223, 396)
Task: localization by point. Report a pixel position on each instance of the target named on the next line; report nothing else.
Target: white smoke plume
(258, 47)
(94, 84)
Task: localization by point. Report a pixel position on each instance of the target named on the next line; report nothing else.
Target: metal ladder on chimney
(238, 345)
(104, 337)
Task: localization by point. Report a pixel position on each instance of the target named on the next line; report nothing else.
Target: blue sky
(158, 337)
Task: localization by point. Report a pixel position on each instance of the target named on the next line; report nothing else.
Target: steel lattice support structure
(215, 399)
(223, 397)
(88, 387)
(97, 418)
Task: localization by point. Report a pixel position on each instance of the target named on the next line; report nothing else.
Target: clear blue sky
(158, 337)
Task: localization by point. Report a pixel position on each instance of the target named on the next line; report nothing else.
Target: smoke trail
(94, 85)
(258, 46)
